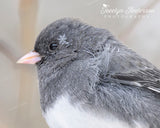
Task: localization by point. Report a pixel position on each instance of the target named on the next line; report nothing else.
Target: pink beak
(30, 58)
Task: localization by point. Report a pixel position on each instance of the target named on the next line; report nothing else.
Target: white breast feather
(64, 115)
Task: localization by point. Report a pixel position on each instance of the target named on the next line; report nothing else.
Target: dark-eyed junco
(88, 79)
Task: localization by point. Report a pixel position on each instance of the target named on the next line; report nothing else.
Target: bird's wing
(127, 68)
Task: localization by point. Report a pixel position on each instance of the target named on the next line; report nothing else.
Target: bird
(89, 79)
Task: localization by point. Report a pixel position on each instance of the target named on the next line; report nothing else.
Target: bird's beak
(30, 58)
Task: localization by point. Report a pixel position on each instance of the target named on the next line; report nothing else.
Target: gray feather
(99, 73)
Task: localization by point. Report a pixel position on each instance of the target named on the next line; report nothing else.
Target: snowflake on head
(63, 39)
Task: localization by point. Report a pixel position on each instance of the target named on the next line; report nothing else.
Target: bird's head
(65, 41)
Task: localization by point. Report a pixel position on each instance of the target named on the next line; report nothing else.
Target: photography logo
(131, 12)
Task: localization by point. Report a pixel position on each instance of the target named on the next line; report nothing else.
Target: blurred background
(22, 20)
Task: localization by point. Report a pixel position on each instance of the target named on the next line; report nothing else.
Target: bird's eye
(53, 46)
